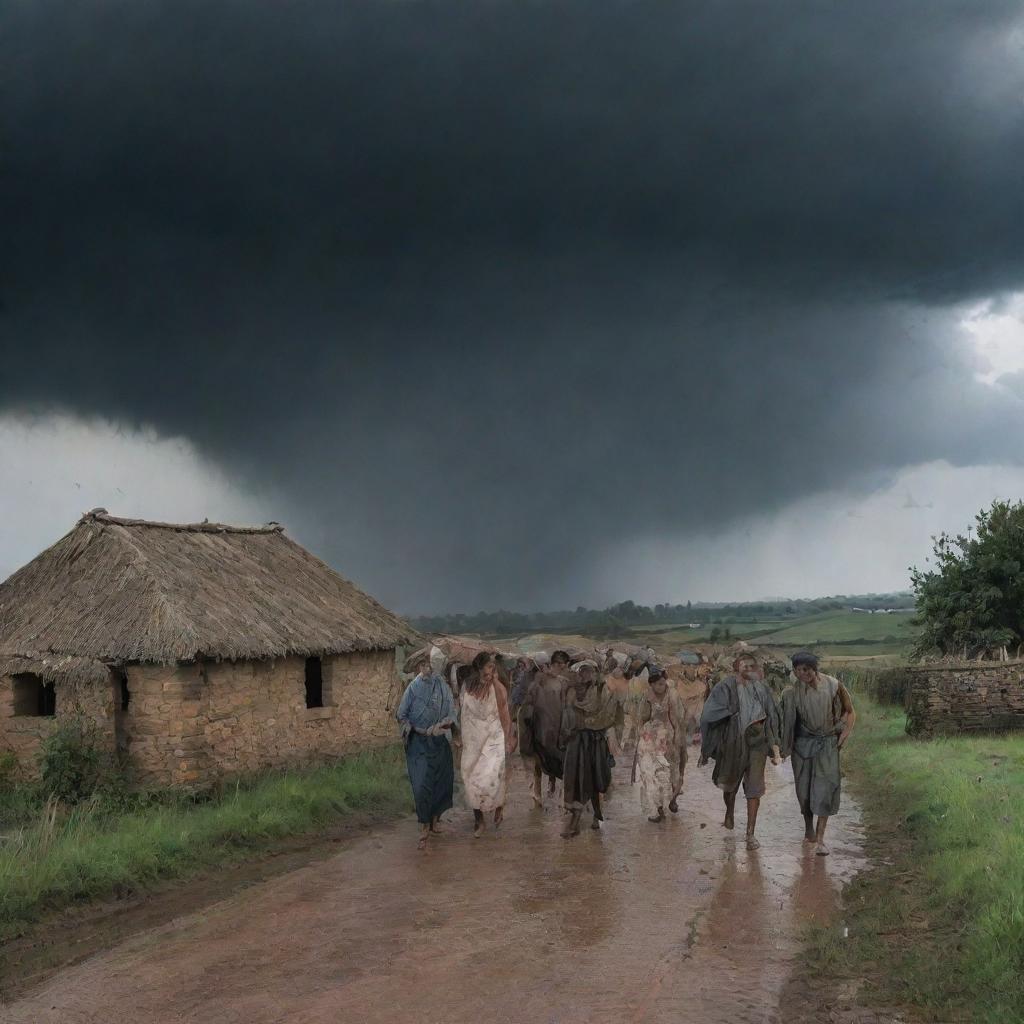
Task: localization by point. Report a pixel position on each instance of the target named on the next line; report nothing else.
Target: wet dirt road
(635, 923)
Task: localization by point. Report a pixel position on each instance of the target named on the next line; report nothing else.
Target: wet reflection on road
(638, 922)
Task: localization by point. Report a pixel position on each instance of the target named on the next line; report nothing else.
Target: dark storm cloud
(488, 287)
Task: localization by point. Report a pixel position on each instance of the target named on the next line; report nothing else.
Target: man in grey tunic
(818, 716)
(740, 723)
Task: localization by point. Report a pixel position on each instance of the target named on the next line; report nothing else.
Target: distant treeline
(618, 618)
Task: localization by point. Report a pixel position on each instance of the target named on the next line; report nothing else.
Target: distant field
(838, 627)
(740, 630)
(877, 633)
(841, 637)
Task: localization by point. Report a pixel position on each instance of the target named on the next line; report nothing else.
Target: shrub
(885, 686)
(72, 764)
(891, 686)
(8, 770)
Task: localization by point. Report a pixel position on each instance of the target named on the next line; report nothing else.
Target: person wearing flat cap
(817, 719)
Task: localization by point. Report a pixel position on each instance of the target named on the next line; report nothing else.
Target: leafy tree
(972, 601)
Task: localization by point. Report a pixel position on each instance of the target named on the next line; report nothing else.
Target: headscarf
(427, 702)
(437, 661)
(805, 658)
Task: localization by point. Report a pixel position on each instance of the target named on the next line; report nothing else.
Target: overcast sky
(519, 305)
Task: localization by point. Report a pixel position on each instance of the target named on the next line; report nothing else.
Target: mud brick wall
(191, 724)
(163, 734)
(968, 698)
(23, 735)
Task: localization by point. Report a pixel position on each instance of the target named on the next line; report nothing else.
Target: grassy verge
(937, 923)
(114, 845)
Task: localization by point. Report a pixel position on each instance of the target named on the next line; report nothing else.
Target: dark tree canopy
(971, 601)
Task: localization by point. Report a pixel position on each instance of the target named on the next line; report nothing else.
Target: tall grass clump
(113, 843)
(888, 686)
(943, 907)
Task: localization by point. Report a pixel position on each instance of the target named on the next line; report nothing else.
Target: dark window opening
(314, 683)
(122, 698)
(34, 697)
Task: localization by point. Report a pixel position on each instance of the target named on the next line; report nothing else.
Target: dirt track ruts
(636, 923)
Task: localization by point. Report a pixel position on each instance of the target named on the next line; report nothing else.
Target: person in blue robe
(427, 715)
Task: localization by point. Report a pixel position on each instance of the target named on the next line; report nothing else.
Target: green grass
(881, 653)
(105, 847)
(681, 635)
(842, 627)
(835, 627)
(938, 922)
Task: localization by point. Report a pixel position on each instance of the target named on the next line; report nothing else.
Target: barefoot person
(818, 716)
(740, 724)
(540, 725)
(427, 715)
(590, 710)
(656, 747)
(486, 738)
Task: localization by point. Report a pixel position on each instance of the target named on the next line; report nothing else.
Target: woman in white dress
(656, 752)
(487, 737)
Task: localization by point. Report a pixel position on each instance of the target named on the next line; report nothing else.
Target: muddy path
(635, 923)
(67, 937)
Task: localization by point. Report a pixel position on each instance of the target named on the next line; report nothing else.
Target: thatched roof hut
(121, 591)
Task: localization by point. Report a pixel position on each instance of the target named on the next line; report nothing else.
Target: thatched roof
(55, 668)
(126, 590)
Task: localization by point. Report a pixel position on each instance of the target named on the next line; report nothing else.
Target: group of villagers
(567, 716)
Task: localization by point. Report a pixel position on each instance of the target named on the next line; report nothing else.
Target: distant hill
(620, 619)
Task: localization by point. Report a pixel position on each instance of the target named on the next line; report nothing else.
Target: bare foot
(729, 823)
(538, 802)
(812, 838)
(673, 806)
(752, 843)
(422, 844)
(499, 816)
(654, 820)
(596, 824)
(573, 828)
(822, 850)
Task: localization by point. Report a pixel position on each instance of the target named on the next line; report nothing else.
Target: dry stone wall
(944, 700)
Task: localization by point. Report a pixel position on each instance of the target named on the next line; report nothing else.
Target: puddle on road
(636, 923)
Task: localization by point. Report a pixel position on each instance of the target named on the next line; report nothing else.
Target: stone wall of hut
(23, 735)
(191, 724)
(950, 699)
